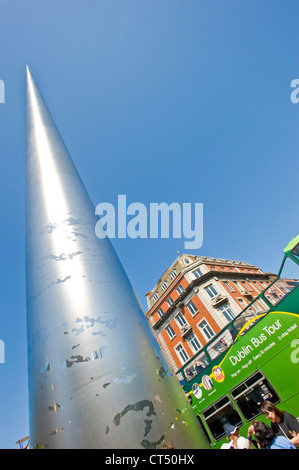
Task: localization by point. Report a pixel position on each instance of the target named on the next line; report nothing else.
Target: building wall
(233, 285)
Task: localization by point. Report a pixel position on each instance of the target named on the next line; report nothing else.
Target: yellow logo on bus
(218, 374)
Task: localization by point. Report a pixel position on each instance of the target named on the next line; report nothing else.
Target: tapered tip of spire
(37, 112)
(29, 76)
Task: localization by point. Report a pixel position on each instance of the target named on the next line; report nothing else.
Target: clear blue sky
(161, 100)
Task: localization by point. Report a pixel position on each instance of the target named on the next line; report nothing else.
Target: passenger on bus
(282, 422)
(198, 366)
(235, 441)
(189, 373)
(266, 438)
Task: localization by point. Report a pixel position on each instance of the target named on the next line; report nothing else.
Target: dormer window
(164, 286)
(160, 312)
(180, 289)
(197, 273)
(155, 297)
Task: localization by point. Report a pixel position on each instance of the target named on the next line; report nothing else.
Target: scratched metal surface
(95, 380)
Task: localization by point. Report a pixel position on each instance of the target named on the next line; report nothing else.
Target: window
(211, 291)
(237, 285)
(180, 289)
(194, 343)
(228, 286)
(219, 416)
(160, 312)
(197, 273)
(242, 303)
(250, 394)
(181, 319)
(164, 286)
(227, 312)
(173, 274)
(206, 330)
(170, 331)
(182, 353)
(155, 297)
(200, 363)
(247, 286)
(169, 301)
(192, 308)
(221, 343)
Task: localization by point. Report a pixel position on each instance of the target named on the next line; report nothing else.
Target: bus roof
(291, 244)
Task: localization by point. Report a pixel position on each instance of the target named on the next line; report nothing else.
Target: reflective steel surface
(95, 380)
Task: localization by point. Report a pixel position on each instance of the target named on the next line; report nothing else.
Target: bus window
(220, 415)
(249, 317)
(200, 363)
(223, 341)
(250, 394)
(287, 282)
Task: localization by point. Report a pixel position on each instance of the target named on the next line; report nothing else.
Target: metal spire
(95, 380)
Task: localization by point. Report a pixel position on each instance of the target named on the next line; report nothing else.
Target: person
(222, 345)
(235, 441)
(167, 445)
(266, 438)
(282, 422)
(189, 373)
(198, 366)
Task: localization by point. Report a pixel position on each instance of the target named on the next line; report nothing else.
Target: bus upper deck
(254, 358)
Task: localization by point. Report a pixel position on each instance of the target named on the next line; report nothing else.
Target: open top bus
(254, 358)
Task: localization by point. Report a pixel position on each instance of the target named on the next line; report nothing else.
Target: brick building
(195, 299)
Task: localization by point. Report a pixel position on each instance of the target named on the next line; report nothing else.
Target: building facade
(196, 298)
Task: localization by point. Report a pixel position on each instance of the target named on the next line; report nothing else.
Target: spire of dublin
(96, 378)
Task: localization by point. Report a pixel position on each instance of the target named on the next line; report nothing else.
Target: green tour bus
(254, 358)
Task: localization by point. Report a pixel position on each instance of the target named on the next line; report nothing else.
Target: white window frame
(160, 312)
(180, 349)
(195, 347)
(170, 331)
(196, 274)
(180, 289)
(208, 288)
(210, 333)
(192, 307)
(164, 286)
(180, 317)
(231, 315)
(242, 302)
(229, 287)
